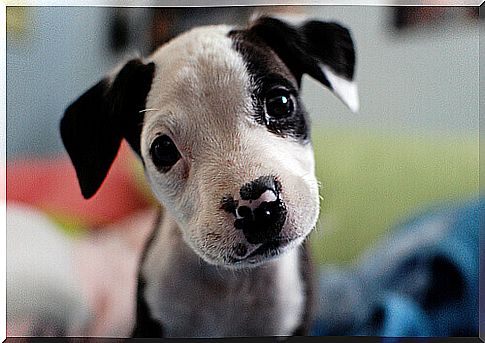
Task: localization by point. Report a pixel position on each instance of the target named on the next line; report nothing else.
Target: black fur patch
(331, 44)
(145, 325)
(279, 54)
(94, 125)
(304, 48)
(268, 72)
(308, 280)
(128, 97)
(89, 137)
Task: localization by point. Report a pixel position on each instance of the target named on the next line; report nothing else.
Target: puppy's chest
(204, 301)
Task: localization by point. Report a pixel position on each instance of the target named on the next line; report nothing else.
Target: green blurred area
(370, 181)
(18, 21)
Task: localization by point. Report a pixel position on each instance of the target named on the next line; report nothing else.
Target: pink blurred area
(50, 184)
(104, 258)
(107, 264)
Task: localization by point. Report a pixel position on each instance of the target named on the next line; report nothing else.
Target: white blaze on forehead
(200, 83)
(201, 90)
(200, 57)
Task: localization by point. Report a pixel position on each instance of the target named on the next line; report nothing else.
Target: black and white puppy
(217, 121)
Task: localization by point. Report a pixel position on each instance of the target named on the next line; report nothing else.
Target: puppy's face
(216, 118)
(214, 126)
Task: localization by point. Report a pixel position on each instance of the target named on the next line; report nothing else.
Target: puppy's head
(216, 117)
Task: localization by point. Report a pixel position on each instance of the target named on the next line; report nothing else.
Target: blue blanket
(421, 280)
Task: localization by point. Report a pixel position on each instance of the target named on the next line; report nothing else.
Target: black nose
(260, 213)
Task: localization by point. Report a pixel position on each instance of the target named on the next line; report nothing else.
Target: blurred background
(398, 179)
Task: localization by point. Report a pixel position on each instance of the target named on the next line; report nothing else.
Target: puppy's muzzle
(260, 212)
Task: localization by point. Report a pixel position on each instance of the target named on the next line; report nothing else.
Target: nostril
(247, 207)
(260, 211)
(244, 212)
(264, 214)
(262, 223)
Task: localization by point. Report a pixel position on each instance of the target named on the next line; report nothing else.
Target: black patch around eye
(293, 123)
(268, 72)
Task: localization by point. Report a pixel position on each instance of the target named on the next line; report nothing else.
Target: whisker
(149, 109)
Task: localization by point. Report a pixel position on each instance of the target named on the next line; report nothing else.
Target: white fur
(194, 299)
(346, 90)
(291, 291)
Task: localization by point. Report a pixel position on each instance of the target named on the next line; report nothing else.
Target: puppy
(216, 119)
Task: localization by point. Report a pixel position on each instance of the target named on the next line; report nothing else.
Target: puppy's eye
(164, 152)
(279, 103)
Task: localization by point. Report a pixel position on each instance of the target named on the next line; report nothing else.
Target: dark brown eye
(279, 103)
(164, 153)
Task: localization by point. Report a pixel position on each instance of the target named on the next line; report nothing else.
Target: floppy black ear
(325, 51)
(94, 125)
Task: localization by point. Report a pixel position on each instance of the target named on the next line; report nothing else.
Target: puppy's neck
(191, 297)
(169, 253)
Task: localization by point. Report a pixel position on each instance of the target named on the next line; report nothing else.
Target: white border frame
(3, 170)
(137, 3)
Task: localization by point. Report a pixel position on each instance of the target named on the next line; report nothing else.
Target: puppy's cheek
(302, 203)
(174, 190)
(212, 238)
(199, 245)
